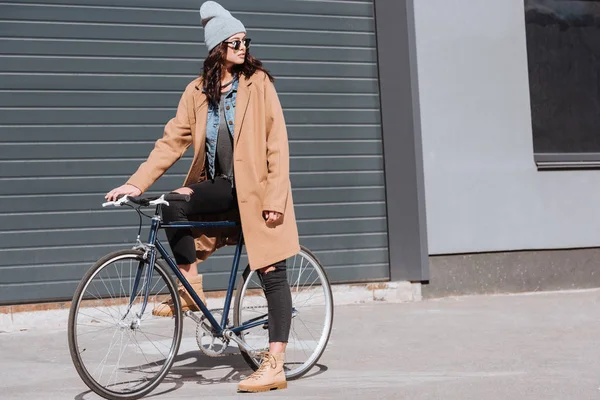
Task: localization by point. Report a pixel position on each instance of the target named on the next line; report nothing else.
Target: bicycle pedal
(193, 316)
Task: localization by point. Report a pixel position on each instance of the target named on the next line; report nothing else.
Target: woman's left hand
(271, 217)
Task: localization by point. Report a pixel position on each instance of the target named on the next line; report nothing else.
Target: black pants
(209, 197)
(216, 197)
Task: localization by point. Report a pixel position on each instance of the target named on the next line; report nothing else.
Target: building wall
(86, 88)
(483, 191)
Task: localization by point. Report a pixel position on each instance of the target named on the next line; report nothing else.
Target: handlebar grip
(139, 200)
(177, 197)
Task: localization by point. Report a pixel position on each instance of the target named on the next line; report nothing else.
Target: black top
(224, 156)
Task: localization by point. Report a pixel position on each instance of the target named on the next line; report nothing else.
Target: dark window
(563, 49)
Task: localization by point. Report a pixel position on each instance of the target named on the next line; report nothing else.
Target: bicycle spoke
(121, 351)
(295, 334)
(162, 344)
(106, 356)
(157, 349)
(142, 352)
(95, 330)
(97, 319)
(112, 289)
(298, 282)
(309, 332)
(130, 280)
(306, 321)
(156, 283)
(122, 293)
(156, 334)
(310, 297)
(102, 280)
(108, 310)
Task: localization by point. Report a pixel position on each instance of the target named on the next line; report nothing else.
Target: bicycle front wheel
(119, 350)
(312, 314)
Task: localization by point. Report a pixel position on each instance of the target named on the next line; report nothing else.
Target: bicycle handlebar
(146, 201)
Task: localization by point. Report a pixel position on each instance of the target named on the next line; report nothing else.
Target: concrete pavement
(538, 346)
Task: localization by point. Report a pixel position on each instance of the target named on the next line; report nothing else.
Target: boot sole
(275, 386)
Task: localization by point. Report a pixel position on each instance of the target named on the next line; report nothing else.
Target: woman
(232, 117)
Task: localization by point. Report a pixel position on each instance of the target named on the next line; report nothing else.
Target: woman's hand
(128, 190)
(271, 217)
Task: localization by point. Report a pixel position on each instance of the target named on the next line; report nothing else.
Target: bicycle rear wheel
(118, 352)
(312, 314)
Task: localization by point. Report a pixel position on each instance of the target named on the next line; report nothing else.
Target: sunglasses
(236, 44)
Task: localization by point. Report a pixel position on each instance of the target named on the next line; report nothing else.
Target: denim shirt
(212, 125)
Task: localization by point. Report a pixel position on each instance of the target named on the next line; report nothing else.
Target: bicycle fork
(148, 258)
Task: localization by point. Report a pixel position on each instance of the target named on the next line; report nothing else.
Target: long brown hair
(213, 68)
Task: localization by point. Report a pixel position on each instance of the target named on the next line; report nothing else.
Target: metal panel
(81, 82)
(166, 99)
(108, 218)
(107, 235)
(405, 184)
(95, 31)
(82, 116)
(32, 65)
(69, 133)
(261, 15)
(85, 90)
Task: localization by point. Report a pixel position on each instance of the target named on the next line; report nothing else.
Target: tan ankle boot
(165, 309)
(269, 376)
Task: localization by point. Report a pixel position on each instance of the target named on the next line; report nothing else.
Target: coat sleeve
(278, 156)
(176, 139)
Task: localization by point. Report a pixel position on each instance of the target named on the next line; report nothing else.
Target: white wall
(483, 190)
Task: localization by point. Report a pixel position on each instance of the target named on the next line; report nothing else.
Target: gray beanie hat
(218, 24)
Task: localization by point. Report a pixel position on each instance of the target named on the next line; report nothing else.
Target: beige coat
(261, 168)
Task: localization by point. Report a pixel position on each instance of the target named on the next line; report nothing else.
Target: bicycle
(110, 315)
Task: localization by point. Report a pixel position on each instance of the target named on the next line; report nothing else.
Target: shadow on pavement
(193, 366)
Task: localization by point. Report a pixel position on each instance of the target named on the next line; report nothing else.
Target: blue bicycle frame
(155, 245)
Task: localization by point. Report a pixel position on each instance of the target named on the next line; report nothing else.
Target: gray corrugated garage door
(86, 89)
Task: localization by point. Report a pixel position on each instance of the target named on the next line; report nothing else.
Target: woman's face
(236, 57)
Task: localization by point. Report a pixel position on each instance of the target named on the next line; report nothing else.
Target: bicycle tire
(314, 358)
(72, 326)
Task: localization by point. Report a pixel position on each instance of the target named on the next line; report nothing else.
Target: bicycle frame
(155, 245)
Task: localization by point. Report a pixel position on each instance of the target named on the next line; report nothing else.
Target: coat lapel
(200, 110)
(241, 106)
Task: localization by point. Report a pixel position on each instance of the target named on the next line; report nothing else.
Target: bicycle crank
(208, 343)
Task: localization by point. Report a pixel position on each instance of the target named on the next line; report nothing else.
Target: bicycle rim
(119, 352)
(312, 314)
